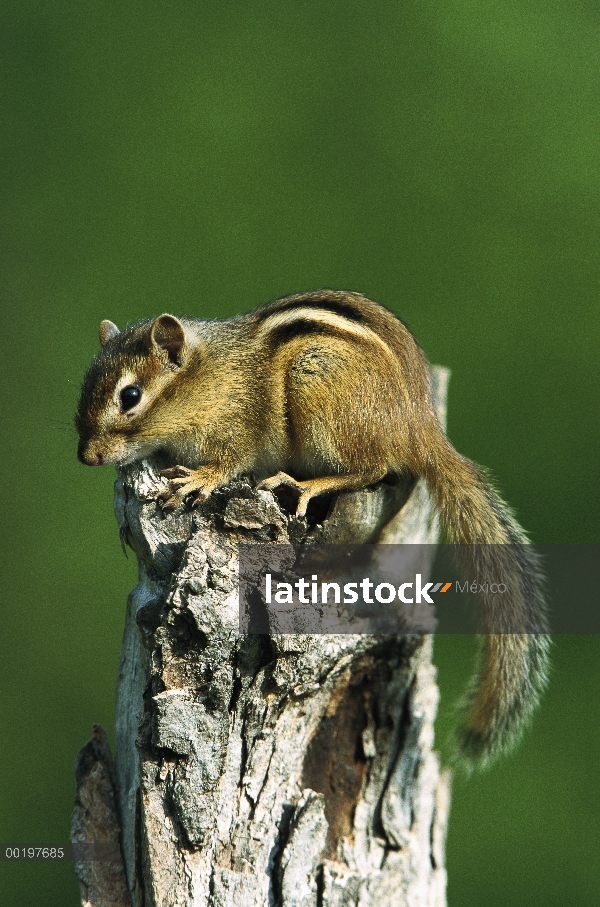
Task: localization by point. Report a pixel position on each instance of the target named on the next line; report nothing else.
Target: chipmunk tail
(513, 658)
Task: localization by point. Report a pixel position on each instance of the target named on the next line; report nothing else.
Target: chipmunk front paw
(184, 482)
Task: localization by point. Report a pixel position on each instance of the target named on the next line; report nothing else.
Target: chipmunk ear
(168, 334)
(107, 331)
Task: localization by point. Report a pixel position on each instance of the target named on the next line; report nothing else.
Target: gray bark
(95, 828)
(284, 770)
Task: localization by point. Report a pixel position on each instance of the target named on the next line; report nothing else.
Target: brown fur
(323, 392)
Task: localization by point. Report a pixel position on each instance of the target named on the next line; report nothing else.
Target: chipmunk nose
(89, 457)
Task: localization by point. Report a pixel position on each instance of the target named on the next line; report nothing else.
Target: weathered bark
(95, 829)
(271, 770)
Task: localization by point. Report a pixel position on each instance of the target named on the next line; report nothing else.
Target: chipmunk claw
(282, 480)
(175, 494)
(177, 472)
(180, 485)
(183, 483)
(171, 503)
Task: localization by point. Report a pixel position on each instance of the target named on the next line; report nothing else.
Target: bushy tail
(513, 658)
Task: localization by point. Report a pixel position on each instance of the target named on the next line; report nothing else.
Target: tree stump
(283, 770)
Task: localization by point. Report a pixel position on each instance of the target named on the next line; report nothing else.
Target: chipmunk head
(125, 388)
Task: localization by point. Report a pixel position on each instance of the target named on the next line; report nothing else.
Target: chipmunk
(321, 392)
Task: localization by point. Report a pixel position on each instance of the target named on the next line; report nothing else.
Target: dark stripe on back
(303, 327)
(345, 309)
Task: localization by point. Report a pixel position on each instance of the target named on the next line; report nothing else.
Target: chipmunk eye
(130, 396)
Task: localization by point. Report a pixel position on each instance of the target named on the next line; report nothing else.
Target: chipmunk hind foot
(310, 488)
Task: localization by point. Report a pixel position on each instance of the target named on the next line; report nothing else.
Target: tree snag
(265, 769)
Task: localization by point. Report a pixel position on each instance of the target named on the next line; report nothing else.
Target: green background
(201, 158)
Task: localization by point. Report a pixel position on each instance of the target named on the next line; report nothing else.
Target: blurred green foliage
(201, 158)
